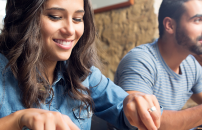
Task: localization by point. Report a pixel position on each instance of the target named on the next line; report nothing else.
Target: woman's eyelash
(58, 18)
(54, 17)
(77, 19)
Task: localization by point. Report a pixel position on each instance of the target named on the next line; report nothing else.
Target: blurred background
(122, 29)
(2, 11)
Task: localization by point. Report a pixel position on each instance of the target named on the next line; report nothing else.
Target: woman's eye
(54, 17)
(77, 19)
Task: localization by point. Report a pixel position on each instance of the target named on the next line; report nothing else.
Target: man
(165, 67)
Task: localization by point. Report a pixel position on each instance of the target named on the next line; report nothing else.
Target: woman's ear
(169, 25)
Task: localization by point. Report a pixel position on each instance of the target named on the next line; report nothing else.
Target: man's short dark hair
(170, 8)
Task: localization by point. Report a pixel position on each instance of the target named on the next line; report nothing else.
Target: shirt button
(89, 112)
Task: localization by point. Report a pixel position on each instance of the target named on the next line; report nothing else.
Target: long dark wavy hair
(21, 43)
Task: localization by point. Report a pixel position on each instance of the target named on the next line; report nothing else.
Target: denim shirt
(108, 98)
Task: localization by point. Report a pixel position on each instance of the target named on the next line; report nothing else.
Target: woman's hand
(136, 107)
(39, 119)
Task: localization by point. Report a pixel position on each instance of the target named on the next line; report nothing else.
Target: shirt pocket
(84, 118)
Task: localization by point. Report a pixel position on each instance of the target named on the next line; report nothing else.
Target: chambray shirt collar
(59, 77)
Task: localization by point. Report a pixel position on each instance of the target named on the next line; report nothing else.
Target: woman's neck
(49, 70)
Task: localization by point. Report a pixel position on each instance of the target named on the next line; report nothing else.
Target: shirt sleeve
(137, 72)
(197, 88)
(108, 99)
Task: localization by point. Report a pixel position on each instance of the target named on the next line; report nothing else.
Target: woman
(47, 65)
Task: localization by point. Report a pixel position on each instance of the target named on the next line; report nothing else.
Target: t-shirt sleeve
(136, 72)
(197, 88)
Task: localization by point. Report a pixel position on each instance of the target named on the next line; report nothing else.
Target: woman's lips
(64, 44)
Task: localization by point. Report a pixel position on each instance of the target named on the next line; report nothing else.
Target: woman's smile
(64, 44)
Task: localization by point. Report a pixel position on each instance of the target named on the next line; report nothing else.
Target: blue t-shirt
(107, 96)
(143, 69)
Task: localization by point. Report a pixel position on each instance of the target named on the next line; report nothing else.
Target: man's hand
(136, 107)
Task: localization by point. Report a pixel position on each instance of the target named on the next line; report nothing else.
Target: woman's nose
(68, 28)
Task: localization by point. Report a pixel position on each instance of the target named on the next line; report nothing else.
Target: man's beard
(184, 40)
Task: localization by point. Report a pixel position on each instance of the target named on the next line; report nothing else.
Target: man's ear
(169, 25)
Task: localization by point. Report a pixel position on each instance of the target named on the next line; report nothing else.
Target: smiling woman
(61, 28)
(47, 64)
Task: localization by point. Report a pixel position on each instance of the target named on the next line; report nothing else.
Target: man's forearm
(181, 120)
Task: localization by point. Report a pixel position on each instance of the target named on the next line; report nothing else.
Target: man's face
(189, 28)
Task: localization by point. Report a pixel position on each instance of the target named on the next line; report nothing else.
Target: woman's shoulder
(95, 72)
(94, 69)
(94, 76)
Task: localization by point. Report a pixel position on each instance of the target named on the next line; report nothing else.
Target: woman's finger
(157, 119)
(34, 122)
(49, 122)
(69, 122)
(143, 106)
(60, 122)
(153, 108)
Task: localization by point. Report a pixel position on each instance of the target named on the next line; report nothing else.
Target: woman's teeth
(63, 42)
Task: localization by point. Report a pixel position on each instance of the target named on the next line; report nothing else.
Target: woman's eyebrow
(56, 8)
(62, 9)
(80, 11)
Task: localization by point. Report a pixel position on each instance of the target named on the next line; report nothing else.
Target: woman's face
(62, 27)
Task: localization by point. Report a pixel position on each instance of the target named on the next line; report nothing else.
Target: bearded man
(166, 67)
